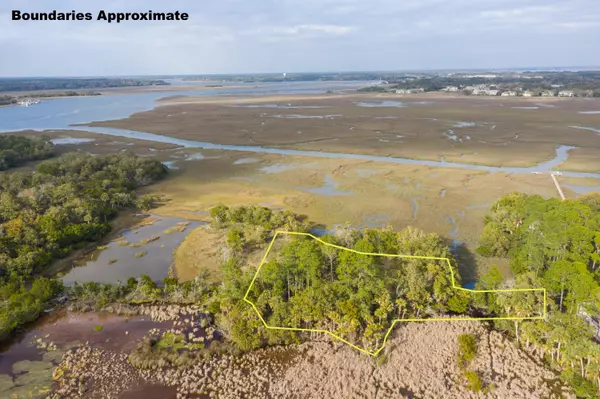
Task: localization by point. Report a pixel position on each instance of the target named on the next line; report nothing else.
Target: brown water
(26, 367)
(67, 330)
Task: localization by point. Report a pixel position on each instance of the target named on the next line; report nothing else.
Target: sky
(251, 36)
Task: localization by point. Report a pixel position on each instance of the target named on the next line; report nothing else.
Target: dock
(560, 191)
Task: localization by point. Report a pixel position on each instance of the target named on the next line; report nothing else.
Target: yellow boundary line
(375, 353)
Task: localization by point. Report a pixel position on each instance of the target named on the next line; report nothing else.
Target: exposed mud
(420, 361)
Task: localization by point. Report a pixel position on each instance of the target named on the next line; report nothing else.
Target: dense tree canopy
(554, 244)
(63, 204)
(311, 285)
(19, 304)
(16, 150)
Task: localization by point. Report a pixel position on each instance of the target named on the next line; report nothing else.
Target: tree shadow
(466, 261)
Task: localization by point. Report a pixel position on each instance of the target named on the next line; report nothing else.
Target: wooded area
(30, 84)
(64, 204)
(554, 244)
(68, 202)
(17, 150)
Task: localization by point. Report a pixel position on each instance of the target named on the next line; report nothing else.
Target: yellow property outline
(375, 353)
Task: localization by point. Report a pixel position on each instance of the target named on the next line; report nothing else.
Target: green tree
(556, 279)
(235, 240)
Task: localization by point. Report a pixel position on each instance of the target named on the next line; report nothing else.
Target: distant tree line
(434, 81)
(554, 81)
(8, 100)
(12, 100)
(17, 150)
(34, 84)
(374, 89)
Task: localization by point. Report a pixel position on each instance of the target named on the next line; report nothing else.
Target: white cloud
(300, 35)
(322, 29)
(518, 12)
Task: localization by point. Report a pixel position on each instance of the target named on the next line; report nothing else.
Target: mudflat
(500, 131)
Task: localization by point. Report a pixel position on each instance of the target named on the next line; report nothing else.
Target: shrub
(458, 304)
(583, 388)
(467, 345)
(473, 381)
(220, 214)
(484, 251)
(235, 240)
(467, 349)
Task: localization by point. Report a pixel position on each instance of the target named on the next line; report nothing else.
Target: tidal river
(63, 113)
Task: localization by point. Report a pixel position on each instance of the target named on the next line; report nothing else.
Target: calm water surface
(155, 263)
(67, 329)
(329, 188)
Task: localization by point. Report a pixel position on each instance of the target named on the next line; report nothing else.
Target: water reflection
(297, 116)
(381, 104)
(70, 140)
(586, 128)
(454, 234)
(63, 112)
(131, 257)
(278, 106)
(66, 329)
(243, 161)
(328, 188)
(582, 190)
(277, 168)
(561, 154)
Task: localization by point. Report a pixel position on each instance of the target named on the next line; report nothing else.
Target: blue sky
(236, 36)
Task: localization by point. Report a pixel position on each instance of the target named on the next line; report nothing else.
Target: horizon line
(581, 68)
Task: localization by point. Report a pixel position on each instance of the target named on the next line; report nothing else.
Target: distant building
(528, 93)
(548, 93)
(508, 94)
(482, 76)
(566, 93)
(410, 91)
(450, 89)
(492, 92)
